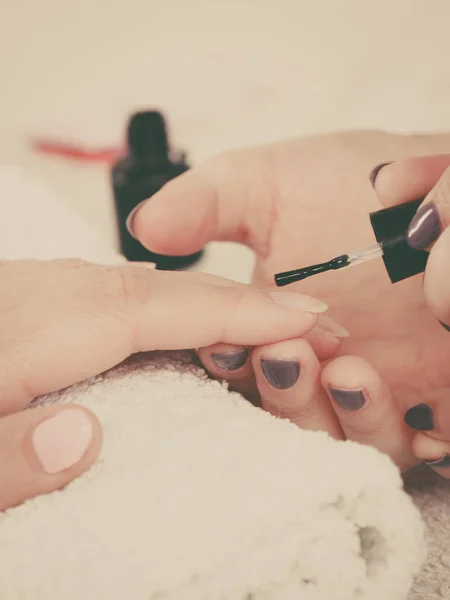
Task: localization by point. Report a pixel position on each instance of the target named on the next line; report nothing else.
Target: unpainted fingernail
(374, 172)
(444, 326)
(230, 361)
(61, 441)
(130, 219)
(441, 463)
(425, 227)
(351, 400)
(281, 374)
(298, 302)
(420, 417)
(332, 327)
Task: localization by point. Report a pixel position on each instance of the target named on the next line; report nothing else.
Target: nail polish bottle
(146, 167)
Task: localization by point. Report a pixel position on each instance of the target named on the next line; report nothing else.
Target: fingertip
(176, 222)
(407, 179)
(436, 281)
(349, 372)
(435, 453)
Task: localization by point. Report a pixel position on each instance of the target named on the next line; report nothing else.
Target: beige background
(227, 73)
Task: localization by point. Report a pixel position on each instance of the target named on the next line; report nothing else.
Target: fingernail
(282, 374)
(61, 441)
(425, 227)
(230, 361)
(298, 302)
(441, 463)
(331, 326)
(420, 417)
(374, 172)
(349, 399)
(131, 216)
(444, 326)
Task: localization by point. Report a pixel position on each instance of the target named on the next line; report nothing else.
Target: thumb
(408, 179)
(208, 203)
(429, 229)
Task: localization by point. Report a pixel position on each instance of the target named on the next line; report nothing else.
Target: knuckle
(123, 288)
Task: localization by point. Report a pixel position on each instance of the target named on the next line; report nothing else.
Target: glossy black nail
(441, 463)
(349, 399)
(444, 326)
(420, 417)
(282, 374)
(425, 227)
(374, 172)
(230, 361)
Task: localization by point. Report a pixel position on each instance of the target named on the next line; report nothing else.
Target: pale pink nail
(331, 326)
(298, 302)
(131, 217)
(61, 441)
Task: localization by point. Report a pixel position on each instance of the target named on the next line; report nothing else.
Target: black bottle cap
(147, 136)
(390, 226)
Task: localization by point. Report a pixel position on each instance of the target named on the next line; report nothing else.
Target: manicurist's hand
(63, 321)
(428, 177)
(302, 202)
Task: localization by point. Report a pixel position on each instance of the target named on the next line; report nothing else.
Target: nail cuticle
(350, 400)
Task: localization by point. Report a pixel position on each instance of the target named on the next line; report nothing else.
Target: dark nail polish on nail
(420, 417)
(444, 326)
(442, 463)
(230, 361)
(425, 227)
(348, 399)
(282, 374)
(374, 172)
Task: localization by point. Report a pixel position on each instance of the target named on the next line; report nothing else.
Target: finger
(435, 453)
(326, 337)
(210, 202)
(408, 179)
(366, 409)
(432, 416)
(43, 449)
(288, 379)
(232, 364)
(107, 314)
(437, 280)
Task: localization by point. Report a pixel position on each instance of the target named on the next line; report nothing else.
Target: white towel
(197, 494)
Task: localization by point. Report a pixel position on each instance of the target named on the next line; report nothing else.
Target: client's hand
(63, 321)
(302, 202)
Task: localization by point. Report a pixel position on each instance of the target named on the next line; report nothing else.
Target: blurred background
(225, 73)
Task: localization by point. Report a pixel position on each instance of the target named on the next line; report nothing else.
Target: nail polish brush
(390, 226)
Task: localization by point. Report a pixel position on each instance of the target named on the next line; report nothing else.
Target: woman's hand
(403, 181)
(302, 202)
(63, 321)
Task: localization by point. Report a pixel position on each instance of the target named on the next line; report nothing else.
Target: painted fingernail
(441, 463)
(298, 302)
(444, 326)
(425, 227)
(131, 216)
(230, 361)
(282, 374)
(420, 417)
(374, 172)
(349, 399)
(61, 441)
